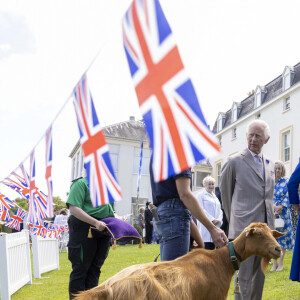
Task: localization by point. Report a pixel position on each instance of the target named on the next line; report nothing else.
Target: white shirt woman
(212, 208)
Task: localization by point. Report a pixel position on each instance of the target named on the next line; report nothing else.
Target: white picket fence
(15, 264)
(45, 255)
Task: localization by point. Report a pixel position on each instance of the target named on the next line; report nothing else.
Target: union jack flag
(20, 186)
(4, 215)
(178, 133)
(48, 172)
(102, 182)
(32, 216)
(52, 232)
(5, 203)
(37, 229)
(16, 219)
(66, 228)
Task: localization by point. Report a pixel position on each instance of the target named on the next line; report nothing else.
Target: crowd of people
(252, 189)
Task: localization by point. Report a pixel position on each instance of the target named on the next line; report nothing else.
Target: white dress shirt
(212, 208)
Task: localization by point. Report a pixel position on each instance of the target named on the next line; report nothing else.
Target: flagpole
(139, 177)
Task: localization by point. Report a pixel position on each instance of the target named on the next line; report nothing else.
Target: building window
(286, 81)
(198, 178)
(286, 104)
(234, 114)
(257, 99)
(219, 124)
(234, 133)
(73, 169)
(286, 146)
(218, 168)
(220, 140)
(114, 156)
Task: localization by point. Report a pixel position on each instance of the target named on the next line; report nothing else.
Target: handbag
(279, 223)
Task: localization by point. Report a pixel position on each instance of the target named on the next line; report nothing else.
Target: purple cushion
(121, 230)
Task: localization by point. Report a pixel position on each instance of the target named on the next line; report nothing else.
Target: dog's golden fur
(200, 274)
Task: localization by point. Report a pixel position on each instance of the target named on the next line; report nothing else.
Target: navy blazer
(293, 186)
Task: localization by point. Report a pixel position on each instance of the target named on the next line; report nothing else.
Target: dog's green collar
(233, 256)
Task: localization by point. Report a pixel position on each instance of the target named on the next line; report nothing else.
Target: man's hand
(219, 237)
(100, 225)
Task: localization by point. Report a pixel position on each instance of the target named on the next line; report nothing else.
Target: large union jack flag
(178, 133)
(16, 219)
(5, 202)
(48, 172)
(103, 185)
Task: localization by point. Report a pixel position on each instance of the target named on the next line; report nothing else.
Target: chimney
(131, 118)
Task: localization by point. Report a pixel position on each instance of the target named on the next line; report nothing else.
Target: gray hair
(280, 163)
(208, 179)
(261, 123)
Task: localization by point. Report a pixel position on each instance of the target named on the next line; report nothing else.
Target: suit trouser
(87, 256)
(149, 231)
(251, 279)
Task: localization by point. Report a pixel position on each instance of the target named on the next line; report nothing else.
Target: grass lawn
(54, 284)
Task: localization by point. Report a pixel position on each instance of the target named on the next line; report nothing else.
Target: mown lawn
(54, 284)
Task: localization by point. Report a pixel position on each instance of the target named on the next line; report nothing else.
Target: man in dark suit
(148, 224)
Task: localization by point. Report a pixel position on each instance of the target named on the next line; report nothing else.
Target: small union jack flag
(16, 219)
(178, 133)
(37, 229)
(103, 185)
(66, 228)
(32, 217)
(52, 232)
(6, 203)
(19, 186)
(48, 172)
(4, 215)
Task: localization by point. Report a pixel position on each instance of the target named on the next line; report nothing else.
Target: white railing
(15, 263)
(45, 255)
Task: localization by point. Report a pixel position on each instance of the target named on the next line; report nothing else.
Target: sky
(228, 48)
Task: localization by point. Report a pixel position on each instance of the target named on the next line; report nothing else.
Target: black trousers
(149, 231)
(87, 256)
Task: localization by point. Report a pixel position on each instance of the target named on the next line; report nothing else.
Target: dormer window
(258, 99)
(234, 113)
(287, 77)
(219, 123)
(259, 96)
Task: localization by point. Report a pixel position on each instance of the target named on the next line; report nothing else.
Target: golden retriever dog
(200, 274)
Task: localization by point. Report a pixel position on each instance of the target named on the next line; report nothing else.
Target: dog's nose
(278, 249)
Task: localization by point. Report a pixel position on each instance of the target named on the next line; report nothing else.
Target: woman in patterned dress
(281, 208)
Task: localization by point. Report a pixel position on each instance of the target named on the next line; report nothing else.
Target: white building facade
(277, 103)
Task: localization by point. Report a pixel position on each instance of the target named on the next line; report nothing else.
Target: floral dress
(281, 198)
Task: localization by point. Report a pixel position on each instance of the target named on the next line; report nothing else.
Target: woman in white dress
(212, 208)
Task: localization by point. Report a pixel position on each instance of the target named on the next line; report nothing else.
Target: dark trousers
(149, 231)
(209, 245)
(87, 256)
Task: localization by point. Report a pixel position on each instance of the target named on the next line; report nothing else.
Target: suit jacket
(246, 196)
